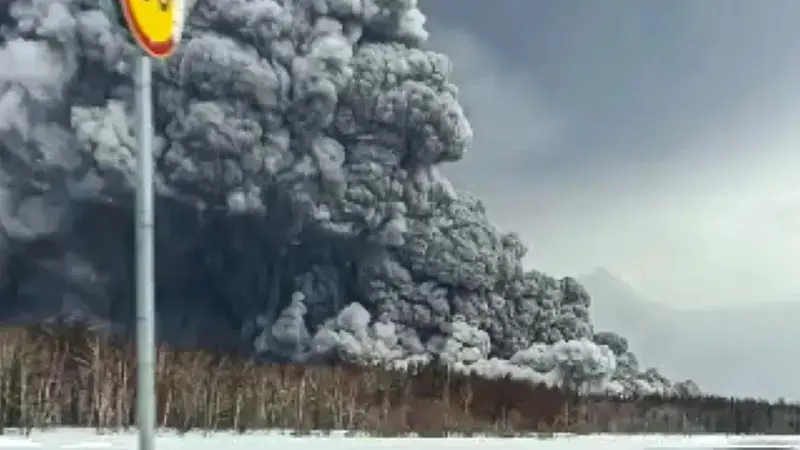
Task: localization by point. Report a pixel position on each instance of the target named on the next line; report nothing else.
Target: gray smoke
(301, 212)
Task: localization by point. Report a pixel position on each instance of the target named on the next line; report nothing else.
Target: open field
(88, 439)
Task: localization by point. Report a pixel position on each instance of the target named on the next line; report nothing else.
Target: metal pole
(145, 257)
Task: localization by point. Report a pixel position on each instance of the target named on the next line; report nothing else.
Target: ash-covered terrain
(301, 214)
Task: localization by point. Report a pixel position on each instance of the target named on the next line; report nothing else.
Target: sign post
(156, 27)
(145, 257)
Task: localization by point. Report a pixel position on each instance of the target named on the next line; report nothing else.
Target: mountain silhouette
(740, 350)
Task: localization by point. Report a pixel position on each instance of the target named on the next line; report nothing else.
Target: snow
(89, 439)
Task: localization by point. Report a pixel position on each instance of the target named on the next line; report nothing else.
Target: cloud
(512, 120)
(719, 226)
(712, 224)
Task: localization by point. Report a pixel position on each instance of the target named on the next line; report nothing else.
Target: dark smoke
(301, 211)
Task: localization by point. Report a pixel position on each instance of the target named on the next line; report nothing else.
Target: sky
(658, 140)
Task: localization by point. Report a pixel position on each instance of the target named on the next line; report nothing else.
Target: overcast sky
(660, 140)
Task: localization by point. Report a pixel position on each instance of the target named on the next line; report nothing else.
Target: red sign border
(154, 49)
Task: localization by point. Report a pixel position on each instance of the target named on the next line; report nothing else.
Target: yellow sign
(156, 25)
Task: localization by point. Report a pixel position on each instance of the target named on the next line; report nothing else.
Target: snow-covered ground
(88, 439)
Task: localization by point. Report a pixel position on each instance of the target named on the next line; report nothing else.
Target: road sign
(155, 25)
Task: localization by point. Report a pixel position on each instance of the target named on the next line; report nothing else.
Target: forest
(68, 375)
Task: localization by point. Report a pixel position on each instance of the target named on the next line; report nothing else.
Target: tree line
(70, 375)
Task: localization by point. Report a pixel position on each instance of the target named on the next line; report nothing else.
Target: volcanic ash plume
(301, 212)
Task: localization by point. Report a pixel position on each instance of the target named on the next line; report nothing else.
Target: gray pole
(145, 257)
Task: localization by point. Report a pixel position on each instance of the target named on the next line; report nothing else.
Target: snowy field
(88, 439)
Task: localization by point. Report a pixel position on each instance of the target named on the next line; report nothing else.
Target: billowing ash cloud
(301, 211)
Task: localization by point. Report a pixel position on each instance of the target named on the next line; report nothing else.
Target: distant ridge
(741, 350)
